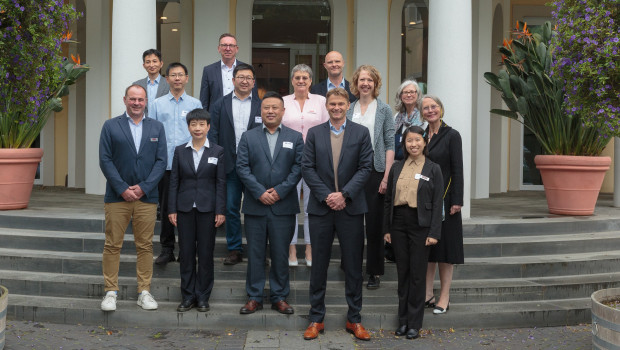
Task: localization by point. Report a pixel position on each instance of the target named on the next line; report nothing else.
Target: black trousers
(408, 240)
(196, 238)
(350, 231)
(166, 235)
(375, 251)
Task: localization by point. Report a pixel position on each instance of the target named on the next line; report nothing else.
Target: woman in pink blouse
(303, 110)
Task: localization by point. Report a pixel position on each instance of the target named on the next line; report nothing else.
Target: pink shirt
(314, 113)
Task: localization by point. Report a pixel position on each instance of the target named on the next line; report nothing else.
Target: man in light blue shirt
(171, 110)
(154, 84)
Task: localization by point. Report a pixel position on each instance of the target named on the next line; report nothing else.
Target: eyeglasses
(410, 92)
(174, 76)
(242, 78)
(430, 108)
(227, 46)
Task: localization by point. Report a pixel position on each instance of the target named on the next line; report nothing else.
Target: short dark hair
(417, 130)
(273, 94)
(198, 114)
(151, 52)
(243, 66)
(174, 65)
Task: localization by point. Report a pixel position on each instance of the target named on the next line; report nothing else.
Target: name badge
(287, 144)
(212, 160)
(184, 113)
(258, 119)
(154, 139)
(420, 176)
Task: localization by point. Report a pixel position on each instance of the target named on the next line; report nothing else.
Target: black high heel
(428, 303)
(440, 310)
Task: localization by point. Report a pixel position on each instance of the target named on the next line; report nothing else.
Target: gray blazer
(384, 132)
(162, 89)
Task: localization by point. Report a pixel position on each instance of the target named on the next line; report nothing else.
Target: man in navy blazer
(132, 157)
(334, 64)
(217, 77)
(231, 117)
(269, 165)
(336, 165)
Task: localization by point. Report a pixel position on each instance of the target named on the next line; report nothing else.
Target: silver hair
(301, 68)
(399, 103)
(434, 98)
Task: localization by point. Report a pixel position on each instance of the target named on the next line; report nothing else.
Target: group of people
(334, 144)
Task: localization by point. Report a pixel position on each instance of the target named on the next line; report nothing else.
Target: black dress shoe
(373, 282)
(165, 257)
(186, 305)
(413, 333)
(402, 330)
(202, 306)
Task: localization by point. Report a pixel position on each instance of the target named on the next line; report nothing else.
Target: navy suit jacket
(222, 130)
(211, 88)
(205, 186)
(354, 167)
(430, 197)
(122, 166)
(259, 171)
(321, 89)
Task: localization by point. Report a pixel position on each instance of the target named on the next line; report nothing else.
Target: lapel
(217, 73)
(443, 130)
(424, 171)
(345, 142)
(325, 140)
(188, 154)
(279, 142)
(162, 87)
(124, 125)
(146, 127)
(254, 111)
(228, 108)
(264, 145)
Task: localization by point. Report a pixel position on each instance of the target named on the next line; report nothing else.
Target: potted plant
(34, 76)
(571, 169)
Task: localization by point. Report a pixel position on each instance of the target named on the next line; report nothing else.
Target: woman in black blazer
(412, 223)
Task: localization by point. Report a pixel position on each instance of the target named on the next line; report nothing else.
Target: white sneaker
(146, 301)
(109, 301)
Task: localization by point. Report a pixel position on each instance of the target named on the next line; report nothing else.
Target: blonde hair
(374, 74)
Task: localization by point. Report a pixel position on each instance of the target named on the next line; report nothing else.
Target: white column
(97, 88)
(450, 72)
(371, 38)
(339, 31)
(187, 43)
(616, 172)
(133, 31)
(210, 21)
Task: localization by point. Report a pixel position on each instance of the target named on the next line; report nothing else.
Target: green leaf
(505, 113)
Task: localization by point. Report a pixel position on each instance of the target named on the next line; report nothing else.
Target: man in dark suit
(269, 165)
(217, 77)
(132, 157)
(334, 63)
(197, 203)
(231, 116)
(154, 84)
(336, 165)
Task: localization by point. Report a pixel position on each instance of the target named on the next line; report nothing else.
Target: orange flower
(76, 60)
(517, 25)
(67, 36)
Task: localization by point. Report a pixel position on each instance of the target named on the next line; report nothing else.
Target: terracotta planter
(18, 166)
(605, 320)
(4, 296)
(572, 183)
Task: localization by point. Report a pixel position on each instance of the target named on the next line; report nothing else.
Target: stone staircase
(518, 273)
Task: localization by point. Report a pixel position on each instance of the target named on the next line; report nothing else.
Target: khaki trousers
(117, 216)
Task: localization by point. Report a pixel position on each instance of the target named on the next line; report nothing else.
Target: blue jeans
(234, 189)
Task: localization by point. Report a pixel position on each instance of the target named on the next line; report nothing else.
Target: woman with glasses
(407, 98)
(303, 110)
(444, 148)
(376, 115)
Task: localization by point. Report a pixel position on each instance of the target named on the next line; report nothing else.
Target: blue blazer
(354, 167)
(259, 171)
(321, 89)
(205, 186)
(222, 130)
(211, 88)
(122, 166)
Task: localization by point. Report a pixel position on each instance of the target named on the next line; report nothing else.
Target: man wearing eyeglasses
(231, 116)
(171, 110)
(217, 77)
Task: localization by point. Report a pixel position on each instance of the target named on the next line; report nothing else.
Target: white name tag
(212, 160)
(287, 144)
(258, 119)
(184, 113)
(420, 176)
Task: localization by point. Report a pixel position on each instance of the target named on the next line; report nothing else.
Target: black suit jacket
(211, 88)
(321, 89)
(430, 197)
(222, 130)
(354, 167)
(205, 186)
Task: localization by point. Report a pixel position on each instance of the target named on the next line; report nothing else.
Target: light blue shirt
(241, 115)
(172, 114)
(227, 75)
(151, 89)
(336, 131)
(136, 131)
(332, 86)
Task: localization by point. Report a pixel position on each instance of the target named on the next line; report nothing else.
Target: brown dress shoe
(358, 331)
(251, 307)
(283, 307)
(313, 330)
(234, 257)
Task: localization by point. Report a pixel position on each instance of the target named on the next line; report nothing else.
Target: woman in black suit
(412, 223)
(444, 148)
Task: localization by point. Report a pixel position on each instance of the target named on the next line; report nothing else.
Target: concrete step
(222, 316)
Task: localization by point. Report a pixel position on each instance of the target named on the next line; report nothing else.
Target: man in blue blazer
(231, 116)
(217, 77)
(269, 165)
(334, 64)
(132, 157)
(336, 165)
